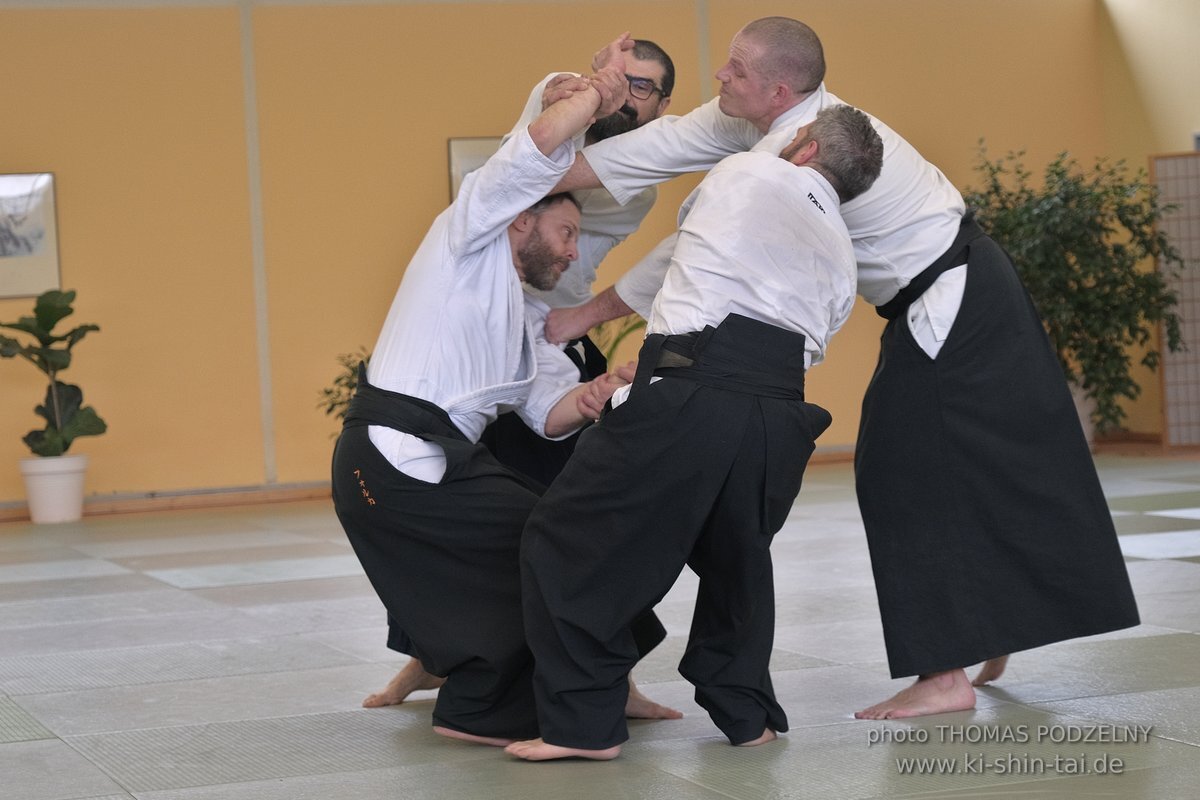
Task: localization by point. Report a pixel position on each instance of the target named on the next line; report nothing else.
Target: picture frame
(28, 235)
(468, 153)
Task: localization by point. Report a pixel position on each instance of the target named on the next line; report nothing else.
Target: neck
(784, 107)
(824, 173)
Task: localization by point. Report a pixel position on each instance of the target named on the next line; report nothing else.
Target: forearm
(565, 324)
(565, 416)
(564, 119)
(584, 403)
(606, 306)
(579, 176)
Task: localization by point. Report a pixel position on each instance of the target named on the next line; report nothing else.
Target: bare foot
(768, 735)
(538, 750)
(638, 706)
(937, 693)
(491, 741)
(412, 677)
(992, 669)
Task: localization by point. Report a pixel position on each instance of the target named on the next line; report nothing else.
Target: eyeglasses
(642, 88)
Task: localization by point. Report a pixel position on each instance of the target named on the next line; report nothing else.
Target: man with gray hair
(700, 462)
(987, 526)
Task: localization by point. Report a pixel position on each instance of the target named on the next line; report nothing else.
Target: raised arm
(579, 176)
(563, 119)
(660, 150)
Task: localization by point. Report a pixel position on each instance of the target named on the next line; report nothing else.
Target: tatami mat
(224, 655)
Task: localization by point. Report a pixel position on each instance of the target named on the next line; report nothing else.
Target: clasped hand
(590, 402)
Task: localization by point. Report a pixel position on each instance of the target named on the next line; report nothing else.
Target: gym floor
(197, 655)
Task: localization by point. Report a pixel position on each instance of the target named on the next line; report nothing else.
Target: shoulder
(755, 165)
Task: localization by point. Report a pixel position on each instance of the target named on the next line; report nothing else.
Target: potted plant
(53, 480)
(335, 398)
(1084, 244)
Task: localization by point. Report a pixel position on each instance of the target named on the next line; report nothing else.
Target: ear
(523, 221)
(782, 96)
(806, 153)
(662, 106)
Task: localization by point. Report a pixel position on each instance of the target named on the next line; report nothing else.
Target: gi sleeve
(555, 377)
(667, 147)
(638, 287)
(491, 197)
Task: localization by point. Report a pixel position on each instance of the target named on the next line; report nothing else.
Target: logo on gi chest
(820, 207)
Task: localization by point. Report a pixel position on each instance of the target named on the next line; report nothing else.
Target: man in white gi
(434, 518)
(604, 223)
(967, 420)
(701, 463)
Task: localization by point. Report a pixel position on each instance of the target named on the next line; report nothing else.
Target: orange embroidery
(366, 493)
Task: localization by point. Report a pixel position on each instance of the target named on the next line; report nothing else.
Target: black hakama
(985, 519)
(444, 560)
(700, 468)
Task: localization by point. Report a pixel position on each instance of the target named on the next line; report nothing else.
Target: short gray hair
(849, 150)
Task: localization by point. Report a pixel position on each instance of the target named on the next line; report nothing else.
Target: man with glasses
(604, 223)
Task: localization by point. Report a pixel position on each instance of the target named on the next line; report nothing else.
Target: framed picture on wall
(468, 153)
(28, 235)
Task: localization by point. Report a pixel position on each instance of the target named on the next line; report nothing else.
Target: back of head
(791, 52)
(849, 150)
(647, 50)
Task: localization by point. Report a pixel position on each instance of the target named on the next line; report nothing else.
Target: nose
(723, 73)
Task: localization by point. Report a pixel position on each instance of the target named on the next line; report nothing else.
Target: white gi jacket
(899, 226)
(459, 333)
(762, 238)
(605, 223)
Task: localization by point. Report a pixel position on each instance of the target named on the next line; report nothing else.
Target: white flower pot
(54, 487)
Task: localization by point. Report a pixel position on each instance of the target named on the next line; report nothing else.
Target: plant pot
(54, 487)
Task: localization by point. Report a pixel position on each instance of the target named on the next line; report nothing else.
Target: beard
(620, 121)
(538, 262)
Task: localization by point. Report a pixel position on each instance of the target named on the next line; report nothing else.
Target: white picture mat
(28, 235)
(466, 154)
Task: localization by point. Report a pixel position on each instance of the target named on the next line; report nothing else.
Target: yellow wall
(229, 255)
(139, 114)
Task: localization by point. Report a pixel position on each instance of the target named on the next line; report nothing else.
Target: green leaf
(45, 443)
(1085, 245)
(62, 408)
(53, 306)
(66, 420)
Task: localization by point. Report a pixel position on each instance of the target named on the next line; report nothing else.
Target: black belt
(741, 355)
(956, 255)
(374, 406)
